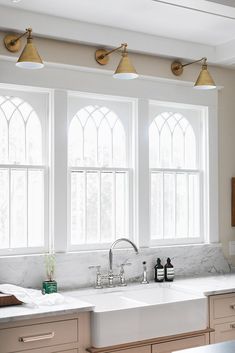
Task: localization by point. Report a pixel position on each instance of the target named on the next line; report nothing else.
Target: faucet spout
(113, 246)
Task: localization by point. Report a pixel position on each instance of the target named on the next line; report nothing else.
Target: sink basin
(132, 315)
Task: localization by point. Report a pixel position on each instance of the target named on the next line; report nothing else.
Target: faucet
(113, 246)
(121, 276)
(110, 276)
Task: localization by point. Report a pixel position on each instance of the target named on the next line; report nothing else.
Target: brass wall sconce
(125, 69)
(204, 80)
(29, 58)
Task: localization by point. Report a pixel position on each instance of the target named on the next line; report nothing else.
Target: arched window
(21, 175)
(173, 160)
(97, 156)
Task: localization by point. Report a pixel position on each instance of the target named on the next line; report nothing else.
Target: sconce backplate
(177, 68)
(99, 56)
(12, 47)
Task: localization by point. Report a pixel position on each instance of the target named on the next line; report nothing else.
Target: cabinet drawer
(223, 306)
(28, 337)
(144, 349)
(223, 332)
(176, 345)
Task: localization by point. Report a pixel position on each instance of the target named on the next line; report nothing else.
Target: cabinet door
(176, 345)
(143, 349)
(223, 332)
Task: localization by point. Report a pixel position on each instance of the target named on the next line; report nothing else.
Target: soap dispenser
(159, 271)
(169, 271)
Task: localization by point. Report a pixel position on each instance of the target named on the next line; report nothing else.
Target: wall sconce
(29, 58)
(204, 80)
(125, 69)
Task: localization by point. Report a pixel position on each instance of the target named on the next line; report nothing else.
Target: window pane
(17, 140)
(157, 205)
(119, 145)
(104, 145)
(121, 206)
(181, 205)
(107, 225)
(33, 140)
(4, 208)
(75, 143)
(18, 208)
(3, 139)
(92, 205)
(194, 206)
(35, 208)
(78, 208)
(90, 144)
(169, 206)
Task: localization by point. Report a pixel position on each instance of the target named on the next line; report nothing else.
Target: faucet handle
(98, 281)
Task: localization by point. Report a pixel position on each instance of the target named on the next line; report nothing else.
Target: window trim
(128, 169)
(24, 92)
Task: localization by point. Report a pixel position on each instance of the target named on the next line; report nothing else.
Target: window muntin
(21, 176)
(174, 178)
(99, 177)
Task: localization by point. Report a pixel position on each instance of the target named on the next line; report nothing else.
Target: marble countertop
(210, 285)
(24, 311)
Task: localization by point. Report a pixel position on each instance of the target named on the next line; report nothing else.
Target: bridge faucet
(110, 275)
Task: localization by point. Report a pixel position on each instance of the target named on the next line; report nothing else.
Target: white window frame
(61, 80)
(40, 101)
(191, 113)
(77, 101)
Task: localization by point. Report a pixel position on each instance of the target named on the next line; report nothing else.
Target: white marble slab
(24, 311)
(72, 268)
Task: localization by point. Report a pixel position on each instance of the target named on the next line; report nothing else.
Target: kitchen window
(176, 174)
(23, 181)
(99, 171)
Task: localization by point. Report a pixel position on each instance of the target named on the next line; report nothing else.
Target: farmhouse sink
(129, 315)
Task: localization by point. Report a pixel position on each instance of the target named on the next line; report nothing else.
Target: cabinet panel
(223, 306)
(143, 349)
(223, 332)
(168, 347)
(39, 335)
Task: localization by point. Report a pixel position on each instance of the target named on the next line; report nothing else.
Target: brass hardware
(29, 58)
(44, 336)
(204, 80)
(12, 43)
(232, 326)
(177, 68)
(125, 69)
(232, 306)
(101, 56)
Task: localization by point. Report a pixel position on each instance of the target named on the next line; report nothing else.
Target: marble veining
(72, 268)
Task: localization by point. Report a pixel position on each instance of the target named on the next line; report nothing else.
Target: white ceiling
(206, 24)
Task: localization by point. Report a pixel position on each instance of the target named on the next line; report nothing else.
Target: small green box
(49, 287)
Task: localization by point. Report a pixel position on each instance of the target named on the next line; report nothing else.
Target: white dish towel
(32, 297)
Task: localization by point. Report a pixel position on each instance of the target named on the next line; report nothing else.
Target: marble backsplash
(72, 268)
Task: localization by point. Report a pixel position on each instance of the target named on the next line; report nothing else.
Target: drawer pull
(232, 306)
(44, 336)
(232, 326)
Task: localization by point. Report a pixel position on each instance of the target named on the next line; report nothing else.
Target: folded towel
(32, 297)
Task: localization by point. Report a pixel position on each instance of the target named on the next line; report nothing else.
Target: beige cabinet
(184, 343)
(63, 334)
(222, 317)
(143, 349)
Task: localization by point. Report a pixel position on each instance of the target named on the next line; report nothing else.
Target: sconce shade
(29, 58)
(204, 80)
(125, 69)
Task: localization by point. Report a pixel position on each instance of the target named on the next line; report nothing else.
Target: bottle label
(170, 273)
(160, 273)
